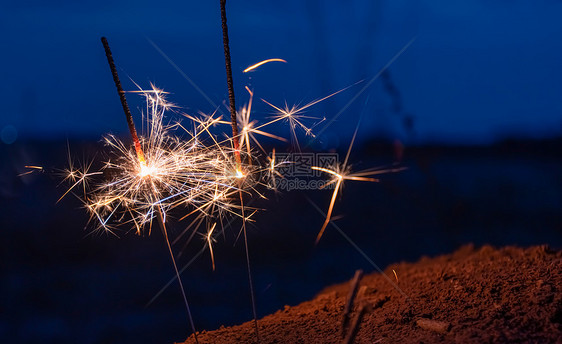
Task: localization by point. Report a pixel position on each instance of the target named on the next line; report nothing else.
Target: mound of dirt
(486, 295)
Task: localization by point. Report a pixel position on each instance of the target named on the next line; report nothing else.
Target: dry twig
(364, 308)
(350, 298)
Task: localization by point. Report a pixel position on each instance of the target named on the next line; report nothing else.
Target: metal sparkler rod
(160, 217)
(121, 93)
(140, 155)
(236, 144)
(230, 82)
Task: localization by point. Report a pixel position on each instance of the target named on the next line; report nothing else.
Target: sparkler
(141, 185)
(166, 171)
(235, 139)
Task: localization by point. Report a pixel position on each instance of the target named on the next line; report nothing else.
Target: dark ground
(485, 295)
(61, 285)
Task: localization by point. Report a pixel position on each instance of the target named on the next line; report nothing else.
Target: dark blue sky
(478, 70)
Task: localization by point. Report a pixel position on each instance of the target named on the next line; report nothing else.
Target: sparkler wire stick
(249, 272)
(142, 162)
(230, 81)
(121, 93)
(165, 232)
(236, 143)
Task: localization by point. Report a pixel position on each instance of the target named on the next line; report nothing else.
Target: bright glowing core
(145, 170)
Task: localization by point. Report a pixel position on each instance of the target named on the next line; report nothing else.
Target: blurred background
(472, 108)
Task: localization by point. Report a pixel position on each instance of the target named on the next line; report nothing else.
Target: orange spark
(254, 66)
(341, 173)
(210, 243)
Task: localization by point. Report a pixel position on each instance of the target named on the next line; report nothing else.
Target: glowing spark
(209, 242)
(341, 173)
(254, 66)
(249, 129)
(295, 117)
(31, 170)
(145, 170)
(35, 167)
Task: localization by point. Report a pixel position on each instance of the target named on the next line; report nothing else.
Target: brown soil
(486, 295)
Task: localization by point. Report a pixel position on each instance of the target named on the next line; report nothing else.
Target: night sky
(477, 71)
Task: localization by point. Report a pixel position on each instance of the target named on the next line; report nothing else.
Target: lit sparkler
(170, 167)
(165, 171)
